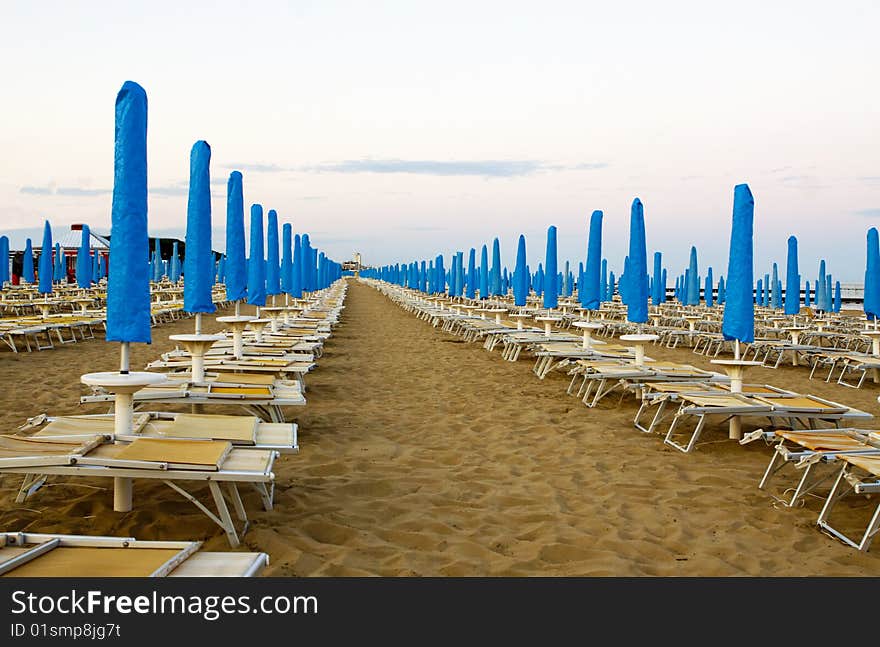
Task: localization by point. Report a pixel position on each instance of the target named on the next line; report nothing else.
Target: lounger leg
(30, 484)
(225, 517)
(840, 489)
(657, 417)
(872, 529)
(266, 494)
(771, 469)
(237, 505)
(122, 494)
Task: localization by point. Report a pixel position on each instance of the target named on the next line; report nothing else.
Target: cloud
(868, 213)
(257, 168)
(80, 192)
(69, 191)
(802, 182)
(170, 190)
(313, 197)
(35, 190)
(479, 168)
(780, 169)
(589, 166)
(869, 179)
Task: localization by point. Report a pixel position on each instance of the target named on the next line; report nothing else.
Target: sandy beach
(423, 455)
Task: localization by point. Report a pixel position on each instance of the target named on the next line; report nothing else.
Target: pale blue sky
(406, 129)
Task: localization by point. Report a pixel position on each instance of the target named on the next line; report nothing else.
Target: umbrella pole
(124, 359)
(736, 349)
(123, 413)
(238, 308)
(198, 323)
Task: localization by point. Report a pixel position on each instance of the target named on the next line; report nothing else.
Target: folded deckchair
(661, 394)
(26, 554)
(808, 451)
(174, 462)
(279, 366)
(602, 378)
(859, 474)
(259, 394)
(557, 355)
(245, 432)
(798, 411)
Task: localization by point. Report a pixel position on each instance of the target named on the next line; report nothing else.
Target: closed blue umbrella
(722, 294)
(296, 286)
(637, 288)
(221, 269)
(759, 292)
(174, 268)
(96, 268)
(807, 294)
(707, 290)
(256, 285)
(59, 263)
(286, 258)
(820, 286)
(307, 270)
(739, 312)
(656, 287)
(663, 288)
(441, 274)
(836, 305)
(236, 267)
(692, 282)
(84, 260)
(198, 265)
(495, 273)
(157, 261)
(611, 286)
(594, 272)
(551, 293)
(829, 293)
(459, 274)
(603, 285)
(520, 274)
(792, 279)
(46, 260)
(27, 265)
(776, 294)
(484, 273)
(273, 267)
(566, 281)
(472, 274)
(4, 260)
(128, 290)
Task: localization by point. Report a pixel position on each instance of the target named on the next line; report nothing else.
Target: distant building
(353, 265)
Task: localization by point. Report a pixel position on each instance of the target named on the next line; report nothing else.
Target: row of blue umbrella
(738, 291)
(51, 263)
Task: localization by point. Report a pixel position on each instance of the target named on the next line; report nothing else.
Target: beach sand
(423, 455)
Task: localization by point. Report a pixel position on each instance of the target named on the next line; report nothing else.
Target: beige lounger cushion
(65, 561)
(237, 429)
(206, 453)
(823, 442)
(870, 464)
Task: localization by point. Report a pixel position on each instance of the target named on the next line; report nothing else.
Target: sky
(402, 130)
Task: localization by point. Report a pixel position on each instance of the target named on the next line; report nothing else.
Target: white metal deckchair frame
(849, 482)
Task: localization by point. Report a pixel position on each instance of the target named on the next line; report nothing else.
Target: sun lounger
(259, 394)
(811, 451)
(26, 554)
(859, 474)
(244, 432)
(797, 411)
(174, 462)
